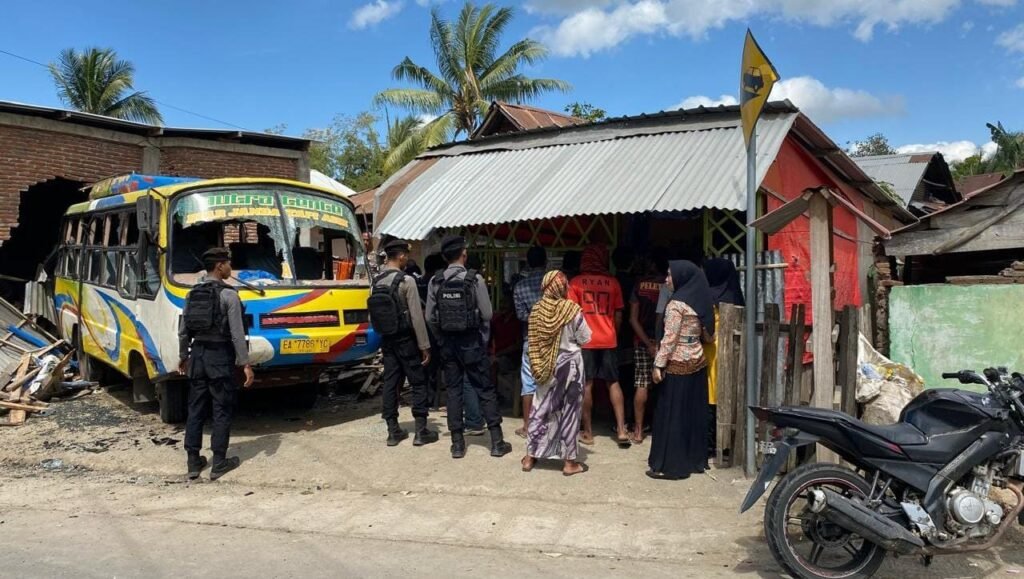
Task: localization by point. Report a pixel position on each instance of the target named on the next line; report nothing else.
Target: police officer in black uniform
(210, 358)
(407, 352)
(458, 308)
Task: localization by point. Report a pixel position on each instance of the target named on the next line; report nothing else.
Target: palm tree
(471, 75)
(95, 81)
(1009, 155)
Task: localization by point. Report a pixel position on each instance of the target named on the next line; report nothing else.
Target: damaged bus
(130, 254)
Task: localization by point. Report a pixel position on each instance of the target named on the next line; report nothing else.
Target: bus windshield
(314, 242)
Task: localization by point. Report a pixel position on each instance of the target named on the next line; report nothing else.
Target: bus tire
(173, 396)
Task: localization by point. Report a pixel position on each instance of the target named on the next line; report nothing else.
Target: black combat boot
(395, 432)
(499, 447)
(196, 464)
(458, 445)
(223, 466)
(423, 435)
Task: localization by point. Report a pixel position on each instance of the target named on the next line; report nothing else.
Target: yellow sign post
(757, 77)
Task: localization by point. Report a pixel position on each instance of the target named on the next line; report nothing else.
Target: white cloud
(952, 151)
(1001, 3)
(593, 30)
(703, 101)
(825, 105)
(967, 26)
(374, 13)
(1020, 82)
(1012, 40)
(595, 25)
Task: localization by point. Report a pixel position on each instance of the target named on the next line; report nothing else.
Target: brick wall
(215, 164)
(31, 155)
(28, 156)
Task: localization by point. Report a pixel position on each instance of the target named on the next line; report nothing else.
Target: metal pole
(750, 292)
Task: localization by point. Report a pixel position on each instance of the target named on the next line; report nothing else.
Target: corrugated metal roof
(903, 172)
(522, 118)
(678, 163)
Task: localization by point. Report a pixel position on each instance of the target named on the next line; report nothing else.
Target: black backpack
(457, 309)
(389, 314)
(203, 313)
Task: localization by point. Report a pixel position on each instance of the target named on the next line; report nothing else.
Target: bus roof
(170, 191)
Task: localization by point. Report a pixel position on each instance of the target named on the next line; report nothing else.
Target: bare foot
(521, 432)
(528, 463)
(587, 439)
(637, 437)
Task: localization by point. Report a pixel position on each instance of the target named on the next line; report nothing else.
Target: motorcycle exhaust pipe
(857, 518)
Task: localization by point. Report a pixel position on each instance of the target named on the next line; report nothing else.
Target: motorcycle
(918, 487)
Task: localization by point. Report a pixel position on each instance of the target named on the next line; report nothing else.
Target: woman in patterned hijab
(556, 333)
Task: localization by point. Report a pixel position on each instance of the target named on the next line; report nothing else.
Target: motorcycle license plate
(305, 345)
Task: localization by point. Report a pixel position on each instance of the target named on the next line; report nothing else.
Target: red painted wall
(793, 171)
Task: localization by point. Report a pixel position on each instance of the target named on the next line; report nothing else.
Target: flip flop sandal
(521, 432)
(636, 440)
(583, 468)
(527, 468)
(624, 442)
(587, 441)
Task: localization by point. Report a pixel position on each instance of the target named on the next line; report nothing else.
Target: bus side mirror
(148, 216)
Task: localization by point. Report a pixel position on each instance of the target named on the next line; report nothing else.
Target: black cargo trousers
(464, 358)
(213, 386)
(403, 360)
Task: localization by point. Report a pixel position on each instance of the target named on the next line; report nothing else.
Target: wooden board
(742, 412)
(725, 366)
(795, 373)
(769, 366)
(849, 333)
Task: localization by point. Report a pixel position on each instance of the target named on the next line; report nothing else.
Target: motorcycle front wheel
(809, 546)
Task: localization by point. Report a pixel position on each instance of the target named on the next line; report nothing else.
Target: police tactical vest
(457, 309)
(204, 315)
(389, 314)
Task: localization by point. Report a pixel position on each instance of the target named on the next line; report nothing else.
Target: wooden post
(725, 384)
(821, 309)
(849, 333)
(769, 364)
(740, 377)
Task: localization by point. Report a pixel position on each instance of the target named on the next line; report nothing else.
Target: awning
(666, 162)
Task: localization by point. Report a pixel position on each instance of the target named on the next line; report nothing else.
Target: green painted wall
(947, 328)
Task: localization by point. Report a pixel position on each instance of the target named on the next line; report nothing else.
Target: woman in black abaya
(679, 440)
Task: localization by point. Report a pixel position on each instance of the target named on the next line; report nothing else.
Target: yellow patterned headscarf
(547, 319)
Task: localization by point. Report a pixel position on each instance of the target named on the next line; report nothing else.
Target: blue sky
(923, 72)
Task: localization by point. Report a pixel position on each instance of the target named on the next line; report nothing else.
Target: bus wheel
(88, 368)
(173, 396)
(143, 389)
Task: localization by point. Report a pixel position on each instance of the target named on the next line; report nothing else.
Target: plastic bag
(884, 387)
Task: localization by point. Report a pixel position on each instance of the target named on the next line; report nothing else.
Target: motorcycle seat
(900, 433)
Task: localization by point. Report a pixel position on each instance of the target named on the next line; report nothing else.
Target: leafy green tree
(586, 111)
(349, 150)
(876, 144)
(96, 81)
(471, 74)
(973, 165)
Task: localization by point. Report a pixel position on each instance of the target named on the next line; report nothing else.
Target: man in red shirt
(600, 297)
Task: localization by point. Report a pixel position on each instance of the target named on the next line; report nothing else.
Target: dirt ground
(96, 489)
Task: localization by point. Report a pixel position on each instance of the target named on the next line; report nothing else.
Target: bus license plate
(305, 345)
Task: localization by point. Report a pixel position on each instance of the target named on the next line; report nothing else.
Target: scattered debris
(52, 464)
(34, 367)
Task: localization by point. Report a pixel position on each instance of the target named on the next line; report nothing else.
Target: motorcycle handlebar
(950, 375)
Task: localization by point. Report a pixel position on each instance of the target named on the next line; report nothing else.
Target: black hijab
(724, 281)
(691, 287)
